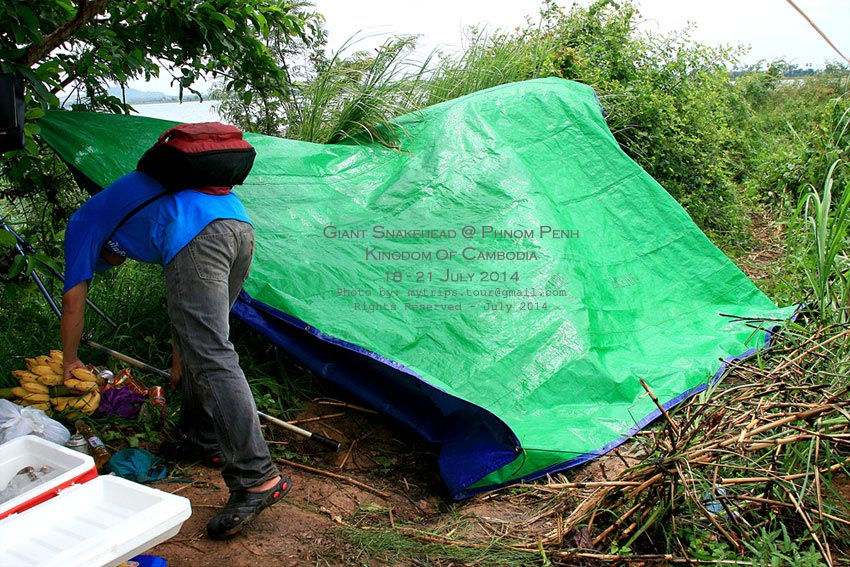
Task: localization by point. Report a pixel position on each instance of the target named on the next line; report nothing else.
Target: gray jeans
(218, 409)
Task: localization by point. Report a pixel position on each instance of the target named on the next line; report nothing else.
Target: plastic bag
(122, 402)
(17, 421)
(137, 465)
(11, 423)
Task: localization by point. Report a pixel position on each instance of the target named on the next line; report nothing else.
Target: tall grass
(355, 96)
(488, 61)
(825, 243)
(27, 328)
(349, 96)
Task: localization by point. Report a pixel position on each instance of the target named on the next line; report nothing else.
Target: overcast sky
(771, 29)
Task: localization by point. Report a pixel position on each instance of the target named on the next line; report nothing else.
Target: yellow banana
(41, 370)
(80, 385)
(50, 379)
(35, 387)
(84, 374)
(86, 402)
(92, 400)
(57, 355)
(56, 366)
(36, 398)
(25, 376)
(39, 360)
(43, 406)
(20, 392)
(61, 403)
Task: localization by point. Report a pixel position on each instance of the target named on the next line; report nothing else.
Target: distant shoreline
(186, 111)
(174, 101)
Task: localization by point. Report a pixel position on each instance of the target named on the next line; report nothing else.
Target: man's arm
(71, 325)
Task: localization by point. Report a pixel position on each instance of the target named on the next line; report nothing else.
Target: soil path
(377, 469)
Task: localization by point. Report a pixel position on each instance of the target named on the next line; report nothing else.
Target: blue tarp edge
(461, 464)
(467, 454)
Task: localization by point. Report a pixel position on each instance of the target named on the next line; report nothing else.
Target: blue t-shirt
(154, 234)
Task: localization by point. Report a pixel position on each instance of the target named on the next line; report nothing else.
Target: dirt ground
(382, 475)
(381, 472)
(377, 469)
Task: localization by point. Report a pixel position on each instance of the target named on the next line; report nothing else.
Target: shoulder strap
(135, 210)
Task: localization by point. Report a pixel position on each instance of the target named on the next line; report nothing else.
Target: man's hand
(71, 365)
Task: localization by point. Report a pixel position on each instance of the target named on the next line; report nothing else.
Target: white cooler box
(99, 523)
(55, 466)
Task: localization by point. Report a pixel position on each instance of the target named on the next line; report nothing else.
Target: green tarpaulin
(500, 281)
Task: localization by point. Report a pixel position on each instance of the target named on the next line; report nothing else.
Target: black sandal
(242, 507)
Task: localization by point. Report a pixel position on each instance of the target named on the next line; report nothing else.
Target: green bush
(793, 130)
(666, 98)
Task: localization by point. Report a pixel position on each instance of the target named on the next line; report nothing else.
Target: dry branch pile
(758, 453)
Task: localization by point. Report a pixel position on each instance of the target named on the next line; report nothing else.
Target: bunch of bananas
(43, 386)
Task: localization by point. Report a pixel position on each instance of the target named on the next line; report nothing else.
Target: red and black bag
(206, 156)
(210, 157)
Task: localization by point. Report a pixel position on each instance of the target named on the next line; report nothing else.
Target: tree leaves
(70, 52)
(116, 41)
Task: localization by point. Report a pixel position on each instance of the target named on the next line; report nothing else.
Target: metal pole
(23, 243)
(128, 359)
(330, 443)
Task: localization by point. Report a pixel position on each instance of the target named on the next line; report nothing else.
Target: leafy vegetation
(77, 52)
(70, 53)
(726, 144)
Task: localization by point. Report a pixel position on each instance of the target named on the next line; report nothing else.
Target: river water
(194, 111)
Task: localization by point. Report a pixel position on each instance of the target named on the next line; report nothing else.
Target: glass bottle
(96, 447)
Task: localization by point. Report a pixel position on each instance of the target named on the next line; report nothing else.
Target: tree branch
(86, 11)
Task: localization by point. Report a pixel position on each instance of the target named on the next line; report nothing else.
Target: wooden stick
(771, 502)
(347, 454)
(581, 485)
(356, 483)
(317, 418)
(798, 416)
(820, 499)
(619, 522)
(807, 352)
(345, 405)
(654, 399)
(817, 29)
(752, 479)
(808, 523)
